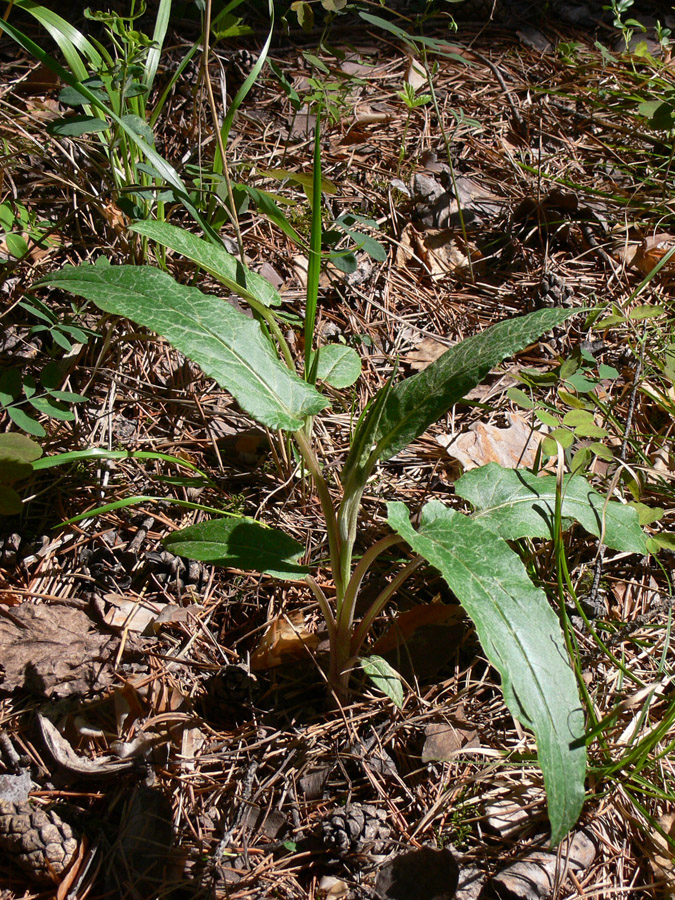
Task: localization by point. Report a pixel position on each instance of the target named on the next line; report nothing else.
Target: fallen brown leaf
(285, 637)
(511, 447)
(53, 651)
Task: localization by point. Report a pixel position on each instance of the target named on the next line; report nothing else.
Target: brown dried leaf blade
(53, 651)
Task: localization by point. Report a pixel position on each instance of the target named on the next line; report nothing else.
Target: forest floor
(197, 755)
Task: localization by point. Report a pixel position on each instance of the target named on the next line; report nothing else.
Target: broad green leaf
(10, 501)
(514, 504)
(344, 260)
(50, 408)
(16, 244)
(67, 396)
(560, 436)
(304, 13)
(240, 543)
(647, 515)
(25, 422)
(416, 402)
(663, 541)
(520, 635)
(10, 386)
(215, 260)
(140, 127)
(646, 312)
(70, 96)
(577, 417)
(18, 447)
(384, 677)
(76, 126)
(227, 345)
(338, 366)
(17, 454)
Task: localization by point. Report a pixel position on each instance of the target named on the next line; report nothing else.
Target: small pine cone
(9, 550)
(358, 828)
(240, 65)
(233, 685)
(173, 572)
(38, 841)
(553, 292)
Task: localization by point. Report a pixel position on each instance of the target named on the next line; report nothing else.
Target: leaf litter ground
(208, 685)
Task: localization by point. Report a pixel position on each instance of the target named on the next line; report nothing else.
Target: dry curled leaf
(70, 763)
(652, 250)
(427, 351)
(423, 639)
(442, 252)
(423, 874)
(536, 875)
(445, 740)
(661, 855)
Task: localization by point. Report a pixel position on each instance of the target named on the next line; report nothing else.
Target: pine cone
(173, 572)
(38, 841)
(233, 685)
(358, 828)
(554, 291)
(240, 65)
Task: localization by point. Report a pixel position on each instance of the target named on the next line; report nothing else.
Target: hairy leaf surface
(416, 402)
(514, 503)
(216, 260)
(521, 637)
(227, 345)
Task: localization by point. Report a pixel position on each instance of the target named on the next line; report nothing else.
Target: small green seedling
(412, 101)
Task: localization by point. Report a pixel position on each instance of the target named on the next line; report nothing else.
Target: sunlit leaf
(240, 543)
(520, 635)
(514, 503)
(227, 345)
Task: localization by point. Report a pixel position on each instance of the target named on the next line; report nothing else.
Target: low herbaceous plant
(520, 633)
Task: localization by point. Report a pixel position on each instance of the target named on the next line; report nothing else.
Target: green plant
(44, 396)
(626, 26)
(111, 88)
(412, 101)
(519, 631)
(61, 329)
(17, 455)
(19, 225)
(120, 74)
(578, 382)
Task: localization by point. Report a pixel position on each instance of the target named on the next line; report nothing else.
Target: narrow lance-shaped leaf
(516, 504)
(416, 402)
(240, 544)
(227, 345)
(216, 260)
(520, 635)
(383, 676)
